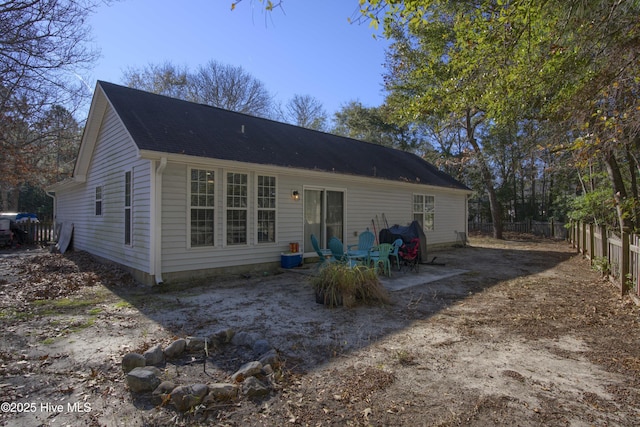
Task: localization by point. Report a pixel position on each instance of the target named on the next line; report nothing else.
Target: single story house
(174, 190)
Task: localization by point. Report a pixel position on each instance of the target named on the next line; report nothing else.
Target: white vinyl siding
(114, 154)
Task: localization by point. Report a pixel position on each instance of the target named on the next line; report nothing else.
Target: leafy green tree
(574, 63)
(373, 124)
(426, 80)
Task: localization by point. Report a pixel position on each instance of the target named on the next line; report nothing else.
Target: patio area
(403, 279)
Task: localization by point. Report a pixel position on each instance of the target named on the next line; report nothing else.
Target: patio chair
(394, 251)
(322, 253)
(365, 242)
(379, 255)
(410, 254)
(337, 249)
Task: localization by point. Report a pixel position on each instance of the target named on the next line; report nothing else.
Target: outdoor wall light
(295, 195)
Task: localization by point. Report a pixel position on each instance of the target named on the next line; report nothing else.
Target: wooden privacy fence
(38, 233)
(550, 228)
(616, 253)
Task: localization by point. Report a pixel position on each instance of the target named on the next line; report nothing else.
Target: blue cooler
(290, 260)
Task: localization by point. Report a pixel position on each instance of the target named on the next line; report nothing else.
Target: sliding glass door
(323, 216)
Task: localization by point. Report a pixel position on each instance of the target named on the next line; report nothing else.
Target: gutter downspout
(156, 231)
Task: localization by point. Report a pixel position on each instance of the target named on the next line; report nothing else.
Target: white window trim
(95, 200)
(345, 207)
(424, 211)
(130, 207)
(257, 209)
(226, 209)
(216, 191)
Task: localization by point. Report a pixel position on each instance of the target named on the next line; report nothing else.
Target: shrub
(339, 284)
(601, 264)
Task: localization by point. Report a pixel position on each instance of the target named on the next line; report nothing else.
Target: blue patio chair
(379, 255)
(322, 253)
(337, 249)
(365, 242)
(394, 251)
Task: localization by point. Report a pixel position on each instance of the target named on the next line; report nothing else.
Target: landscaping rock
(187, 396)
(131, 361)
(195, 344)
(222, 391)
(253, 387)
(154, 356)
(247, 370)
(245, 339)
(162, 391)
(261, 346)
(143, 379)
(142, 376)
(271, 357)
(222, 336)
(175, 349)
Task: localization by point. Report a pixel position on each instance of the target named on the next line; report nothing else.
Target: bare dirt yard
(521, 332)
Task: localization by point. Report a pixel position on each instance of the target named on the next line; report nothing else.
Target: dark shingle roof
(168, 125)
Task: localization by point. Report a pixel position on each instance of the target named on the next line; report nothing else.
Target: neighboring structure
(173, 189)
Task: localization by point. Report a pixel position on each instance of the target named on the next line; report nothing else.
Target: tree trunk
(633, 167)
(487, 177)
(532, 200)
(620, 192)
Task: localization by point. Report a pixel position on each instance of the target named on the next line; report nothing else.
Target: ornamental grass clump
(339, 284)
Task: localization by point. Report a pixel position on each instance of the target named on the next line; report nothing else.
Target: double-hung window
(424, 211)
(202, 206)
(128, 187)
(237, 202)
(98, 201)
(266, 204)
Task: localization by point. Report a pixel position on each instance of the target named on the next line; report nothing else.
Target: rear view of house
(174, 190)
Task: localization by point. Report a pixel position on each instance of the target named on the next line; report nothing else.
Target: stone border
(143, 374)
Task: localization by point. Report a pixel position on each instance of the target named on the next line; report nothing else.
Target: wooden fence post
(592, 243)
(581, 237)
(570, 233)
(624, 268)
(604, 241)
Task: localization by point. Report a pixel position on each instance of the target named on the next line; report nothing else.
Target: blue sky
(310, 48)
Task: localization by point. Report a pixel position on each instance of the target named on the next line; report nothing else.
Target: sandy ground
(515, 332)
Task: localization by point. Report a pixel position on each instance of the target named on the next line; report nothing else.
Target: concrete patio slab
(399, 280)
(404, 279)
